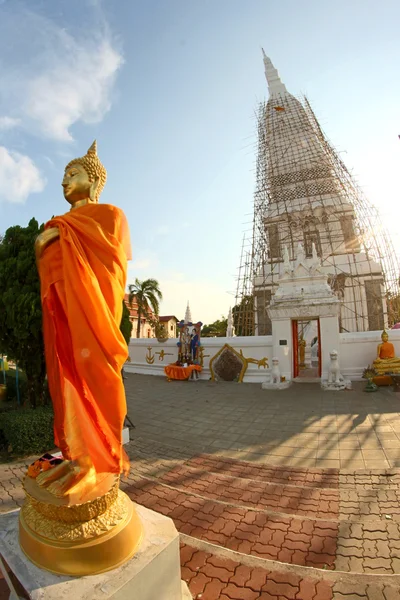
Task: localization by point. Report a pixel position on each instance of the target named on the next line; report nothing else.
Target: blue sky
(169, 89)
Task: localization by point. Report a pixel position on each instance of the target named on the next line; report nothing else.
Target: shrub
(28, 431)
(126, 325)
(11, 384)
(21, 336)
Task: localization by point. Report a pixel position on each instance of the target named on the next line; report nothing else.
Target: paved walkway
(302, 426)
(277, 496)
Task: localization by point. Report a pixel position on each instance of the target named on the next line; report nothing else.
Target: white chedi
(188, 314)
(230, 330)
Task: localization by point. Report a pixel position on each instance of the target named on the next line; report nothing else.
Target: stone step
(218, 574)
(292, 499)
(372, 546)
(211, 577)
(359, 497)
(357, 504)
(308, 477)
(314, 478)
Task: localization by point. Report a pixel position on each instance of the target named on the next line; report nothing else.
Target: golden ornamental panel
(75, 513)
(62, 530)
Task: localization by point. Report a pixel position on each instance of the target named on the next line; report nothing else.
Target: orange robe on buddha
(83, 278)
(386, 350)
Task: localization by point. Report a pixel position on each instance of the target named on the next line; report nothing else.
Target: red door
(295, 335)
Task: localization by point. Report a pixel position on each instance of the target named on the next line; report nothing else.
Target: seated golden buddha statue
(386, 360)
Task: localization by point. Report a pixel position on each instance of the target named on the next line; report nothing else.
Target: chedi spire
(188, 314)
(275, 85)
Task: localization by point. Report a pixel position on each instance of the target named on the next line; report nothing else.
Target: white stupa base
(282, 385)
(337, 386)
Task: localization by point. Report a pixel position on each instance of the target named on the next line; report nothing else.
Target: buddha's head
(384, 336)
(84, 178)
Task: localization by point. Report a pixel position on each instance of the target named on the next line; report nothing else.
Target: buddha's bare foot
(77, 482)
(55, 487)
(45, 478)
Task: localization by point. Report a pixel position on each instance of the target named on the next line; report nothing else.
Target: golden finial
(93, 167)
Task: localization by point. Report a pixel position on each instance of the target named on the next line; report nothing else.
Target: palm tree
(147, 295)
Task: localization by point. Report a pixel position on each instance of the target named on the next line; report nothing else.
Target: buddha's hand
(44, 239)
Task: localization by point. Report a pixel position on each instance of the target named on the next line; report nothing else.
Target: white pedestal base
(336, 387)
(283, 385)
(153, 573)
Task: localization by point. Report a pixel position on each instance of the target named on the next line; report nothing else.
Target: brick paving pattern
(276, 496)
(213, 578)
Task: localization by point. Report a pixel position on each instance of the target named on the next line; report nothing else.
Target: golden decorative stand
(78, 539)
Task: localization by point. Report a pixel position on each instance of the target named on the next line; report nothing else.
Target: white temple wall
(329, 341)
(282, 332)
(256, 347)
(356, 351)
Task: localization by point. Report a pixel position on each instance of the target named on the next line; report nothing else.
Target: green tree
(243, 316)
(393, 307)
(20, 307)
(216, 329)
(147, 295)
(126, 324)
(159, 328)
(21, 337)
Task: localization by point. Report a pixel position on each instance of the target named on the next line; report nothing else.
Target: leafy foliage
(20, 307)
(393, 308)
(243, 316)
(11, 385)
(28, 431)
(216, 329)
(159, 328)
(126, 325)
(369, 372)
(21, 337)
(147, 295)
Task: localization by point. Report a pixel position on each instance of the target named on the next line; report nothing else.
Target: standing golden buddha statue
(75, 520)
(386, 360)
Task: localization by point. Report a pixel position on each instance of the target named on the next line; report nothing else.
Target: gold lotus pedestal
(78, 539)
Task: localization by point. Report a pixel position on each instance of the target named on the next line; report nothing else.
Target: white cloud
(76, 89)
(19, 176)
(50, 80)
(141, 263)
(63, 79)
(8, 123)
